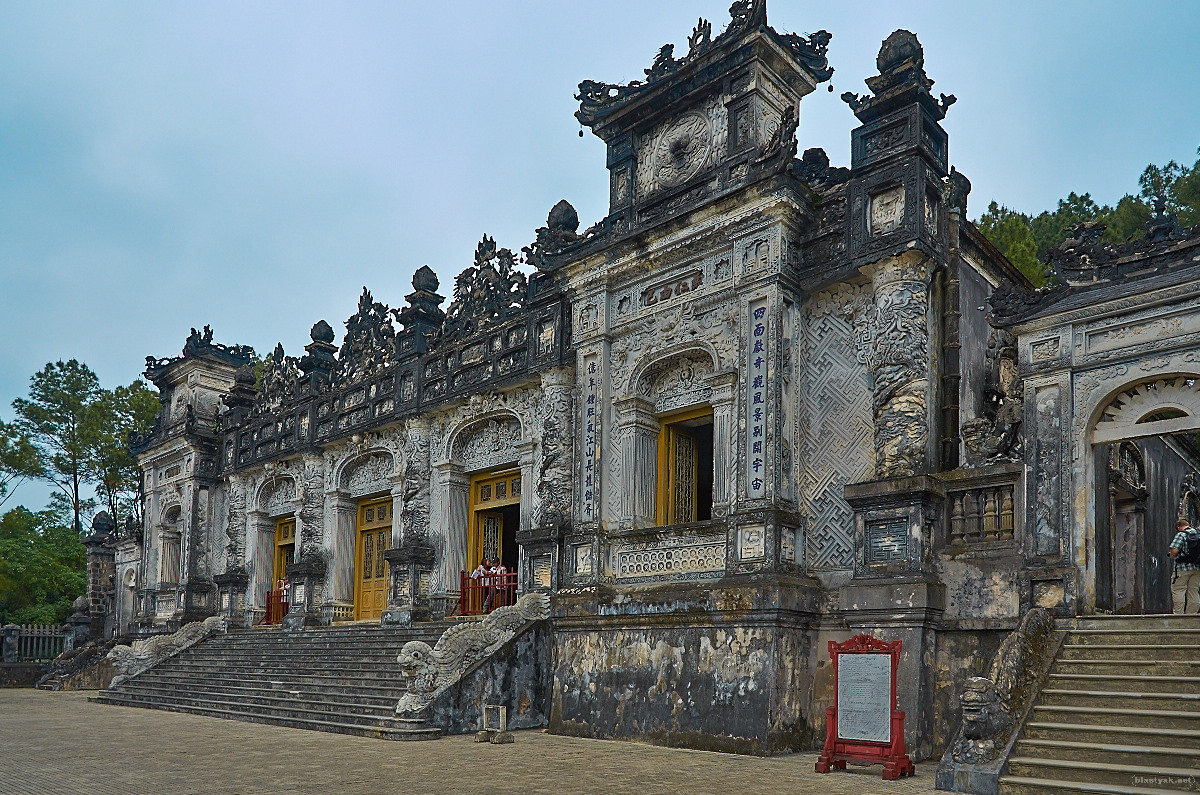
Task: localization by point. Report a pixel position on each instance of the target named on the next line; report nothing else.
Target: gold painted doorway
(285, 548)
(495, 514)
(685, 467)
(371, 573)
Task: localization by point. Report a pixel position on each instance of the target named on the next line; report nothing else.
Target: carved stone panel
(487, 444)
(836, 419)
(369, 476)
(278, 497)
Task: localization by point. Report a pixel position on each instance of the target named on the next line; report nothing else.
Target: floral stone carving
(145, 654)
(432, 670)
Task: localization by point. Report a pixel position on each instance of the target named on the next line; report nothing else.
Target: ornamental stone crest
(488, 443)
(368, 476)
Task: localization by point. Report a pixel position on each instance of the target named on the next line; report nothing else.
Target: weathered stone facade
(755, 408)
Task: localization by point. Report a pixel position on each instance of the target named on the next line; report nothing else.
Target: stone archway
(1144, 451)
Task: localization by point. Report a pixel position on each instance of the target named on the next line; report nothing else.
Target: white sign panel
(864, 697)
(758, 388)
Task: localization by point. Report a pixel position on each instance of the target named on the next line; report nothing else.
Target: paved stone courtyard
(60, 743)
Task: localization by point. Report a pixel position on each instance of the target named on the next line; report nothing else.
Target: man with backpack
(1185, 585)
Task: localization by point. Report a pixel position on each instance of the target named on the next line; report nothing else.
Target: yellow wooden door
(285, 548)
(490, 491)
(371, 572)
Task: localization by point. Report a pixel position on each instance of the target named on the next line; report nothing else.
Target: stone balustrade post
(11, 633)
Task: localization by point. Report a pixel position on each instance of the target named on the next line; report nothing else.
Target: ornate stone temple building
(763, 403)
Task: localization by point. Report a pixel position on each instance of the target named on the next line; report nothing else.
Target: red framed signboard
(864, 727)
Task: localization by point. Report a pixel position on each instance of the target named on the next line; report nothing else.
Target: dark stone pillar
(101, 574)
(231, 595)
(307, 579)
(11, 633)
(408, 599)
(895, 593)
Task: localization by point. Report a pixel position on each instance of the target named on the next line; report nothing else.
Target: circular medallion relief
(681, 150)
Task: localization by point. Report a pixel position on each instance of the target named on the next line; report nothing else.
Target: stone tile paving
(54, 743)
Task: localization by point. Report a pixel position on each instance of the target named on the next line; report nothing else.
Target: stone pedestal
(307, 580)
(231, 595)
(895, 593)
(408, 598)
(541, 545)
(78, 631)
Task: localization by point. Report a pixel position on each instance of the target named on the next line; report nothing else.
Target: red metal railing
(277, 606)
(485, 594)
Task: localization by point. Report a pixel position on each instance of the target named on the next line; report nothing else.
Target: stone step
(1120, 716)
(1110, 698)
(1088, 637)
(1132, 651)
(1028, 785)
(1142, 683)
(1157, 621)
(1124, 752)
(395, 730)
(1094, 772)
(290, 711)
(1041, 728)
(283, 698)
(312, 668)
(1119, 667)
(276, 658)
(291, 680)
(365, 695)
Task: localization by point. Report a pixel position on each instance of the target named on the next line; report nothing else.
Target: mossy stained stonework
(763, 404)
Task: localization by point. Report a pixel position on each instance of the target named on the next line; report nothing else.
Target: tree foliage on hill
(1027, 239)
(41, 567)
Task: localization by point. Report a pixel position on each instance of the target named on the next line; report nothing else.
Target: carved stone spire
(423, 317)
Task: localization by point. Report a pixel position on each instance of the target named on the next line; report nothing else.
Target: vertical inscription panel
(864, 697)
(757, 389)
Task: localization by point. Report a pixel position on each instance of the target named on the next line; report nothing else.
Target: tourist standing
(1185, 584)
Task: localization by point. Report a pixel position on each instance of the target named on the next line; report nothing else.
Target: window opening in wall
(685, 467)
(371, 571)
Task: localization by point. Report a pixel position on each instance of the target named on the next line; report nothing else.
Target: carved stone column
(725, 442)
(900, 364)
(455, 486)
(640, 450)
(342, 518)
(261, 554)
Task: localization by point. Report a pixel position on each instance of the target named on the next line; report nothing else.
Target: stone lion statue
(145, 654)
(431, 670)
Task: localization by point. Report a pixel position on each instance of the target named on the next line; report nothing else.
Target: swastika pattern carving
(837, 427)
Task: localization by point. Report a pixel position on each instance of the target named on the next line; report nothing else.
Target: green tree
(1010, 231)
(18, 460)
(109, 421)
(54, 420)
(42, 567)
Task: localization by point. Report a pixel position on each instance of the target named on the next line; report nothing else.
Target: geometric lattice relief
(1163, 406)
(839, 436)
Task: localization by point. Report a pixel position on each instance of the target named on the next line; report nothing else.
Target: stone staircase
(1119, 714)
(342, 679)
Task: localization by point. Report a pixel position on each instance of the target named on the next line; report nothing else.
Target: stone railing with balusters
(982, 506)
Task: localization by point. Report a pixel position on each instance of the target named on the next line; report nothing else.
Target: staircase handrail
(431, 671)
(143, 655)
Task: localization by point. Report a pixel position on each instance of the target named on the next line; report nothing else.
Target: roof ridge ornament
(597, 99)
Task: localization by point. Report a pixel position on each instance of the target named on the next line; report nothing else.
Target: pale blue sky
(253, 165)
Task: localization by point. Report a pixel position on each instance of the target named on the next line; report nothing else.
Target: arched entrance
(1145, 445)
